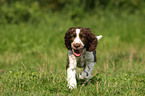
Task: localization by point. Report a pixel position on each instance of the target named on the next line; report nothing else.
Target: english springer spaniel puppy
(81, 44)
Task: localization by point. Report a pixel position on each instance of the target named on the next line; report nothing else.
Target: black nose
(77, 45)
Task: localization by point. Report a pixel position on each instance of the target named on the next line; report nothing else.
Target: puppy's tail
(99, 37)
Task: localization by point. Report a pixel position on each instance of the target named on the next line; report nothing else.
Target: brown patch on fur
(69, 37)
(92, 41)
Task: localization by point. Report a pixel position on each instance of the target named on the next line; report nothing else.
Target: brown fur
(87, 37)
(69, 37)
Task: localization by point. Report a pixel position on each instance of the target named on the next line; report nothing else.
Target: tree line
(25, 10)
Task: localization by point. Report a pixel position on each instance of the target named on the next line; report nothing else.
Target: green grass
(32, 61)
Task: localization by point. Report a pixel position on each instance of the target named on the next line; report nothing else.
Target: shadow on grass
(93, 80)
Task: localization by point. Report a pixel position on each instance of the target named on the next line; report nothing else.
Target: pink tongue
(77, 53)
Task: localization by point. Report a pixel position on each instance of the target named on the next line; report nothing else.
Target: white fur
(89, 61)
(71, 71)
(73, 61)
(99, 37)
(77, 39)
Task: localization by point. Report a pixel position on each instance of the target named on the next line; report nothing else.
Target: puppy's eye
(81, 36)
(74, 35)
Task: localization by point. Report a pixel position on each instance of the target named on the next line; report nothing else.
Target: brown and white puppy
(81, 44)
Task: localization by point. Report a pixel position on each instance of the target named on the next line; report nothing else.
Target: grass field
(33, 57)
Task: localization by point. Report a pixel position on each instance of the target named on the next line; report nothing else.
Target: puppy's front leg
(71, 71)
(90, 62)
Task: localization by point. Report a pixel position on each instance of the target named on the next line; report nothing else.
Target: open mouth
(77, 52)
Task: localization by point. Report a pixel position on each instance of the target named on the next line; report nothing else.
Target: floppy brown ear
(91, 39)
(67, 38)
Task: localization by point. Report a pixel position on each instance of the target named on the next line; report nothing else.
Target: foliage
(16, 11)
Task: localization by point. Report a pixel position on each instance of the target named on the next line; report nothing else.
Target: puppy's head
(77, 39)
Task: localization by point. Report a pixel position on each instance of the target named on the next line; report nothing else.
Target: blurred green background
(33, 55)
(16, 11)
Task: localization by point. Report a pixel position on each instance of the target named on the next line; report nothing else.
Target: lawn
(33, 56)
